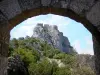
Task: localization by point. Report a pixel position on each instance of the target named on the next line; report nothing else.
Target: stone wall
(96, 47)
(13, 12)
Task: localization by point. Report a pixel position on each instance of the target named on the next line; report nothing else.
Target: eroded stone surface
(45, 2)
(29, 4)
(3, 65)
(87, 9)
(81, 6)
(10, 8)
(4, 44)
(94, 14)
(96, 47)
(53, 36)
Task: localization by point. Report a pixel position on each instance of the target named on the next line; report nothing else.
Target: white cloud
(22, 31)
(48, 19)
(28, 25)
(89, 41)
(87, 50)
(58, 20)
(77, 46)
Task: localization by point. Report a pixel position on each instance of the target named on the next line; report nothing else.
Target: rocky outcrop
(53, 36)
(16, 66)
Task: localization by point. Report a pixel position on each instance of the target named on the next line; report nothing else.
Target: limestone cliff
(53, 36)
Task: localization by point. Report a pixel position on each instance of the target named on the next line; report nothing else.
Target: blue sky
(79, 37)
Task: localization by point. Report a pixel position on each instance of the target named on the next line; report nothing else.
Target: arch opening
(54, 24)
(60, 21)
(86, 12)
(57, 11)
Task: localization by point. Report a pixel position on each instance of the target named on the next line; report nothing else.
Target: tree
(26, 55)
(62, 71)
(41, 68)
(36, 53)
(14, 43)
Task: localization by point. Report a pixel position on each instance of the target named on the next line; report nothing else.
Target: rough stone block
(81, 6)
(3, 20)
(3, 65)
(10, 8)
(94, 14)
(29, 4)
(55, 3)
(64, 4)
(60, 4)
(45, 2)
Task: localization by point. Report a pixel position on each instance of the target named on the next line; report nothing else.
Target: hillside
(36, 56)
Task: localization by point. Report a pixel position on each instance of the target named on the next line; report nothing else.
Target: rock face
(16, 66)
(53, 36)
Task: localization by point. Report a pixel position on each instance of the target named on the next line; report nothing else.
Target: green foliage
(14, 43)
(62, 71)
(69, 60)
(38, 55)
(41, 68)
(54, 67)
(11, 50)
(26, 55)
(59, 56)
(48, 50)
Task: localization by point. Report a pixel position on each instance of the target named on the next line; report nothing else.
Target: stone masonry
(13, 12)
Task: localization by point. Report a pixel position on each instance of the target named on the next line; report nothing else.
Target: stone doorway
(15, 11)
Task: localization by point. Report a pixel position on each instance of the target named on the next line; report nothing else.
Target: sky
(80, 38)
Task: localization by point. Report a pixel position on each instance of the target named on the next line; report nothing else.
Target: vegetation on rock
(40, 58)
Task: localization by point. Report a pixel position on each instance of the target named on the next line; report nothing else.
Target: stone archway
(13, 12)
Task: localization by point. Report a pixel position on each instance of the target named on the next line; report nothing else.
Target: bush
(36, 58)
(59, 56)
(62, 71)
(26, 55)
(41, 68)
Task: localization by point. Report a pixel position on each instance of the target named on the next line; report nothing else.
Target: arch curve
(13, 12)
(58, 11)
